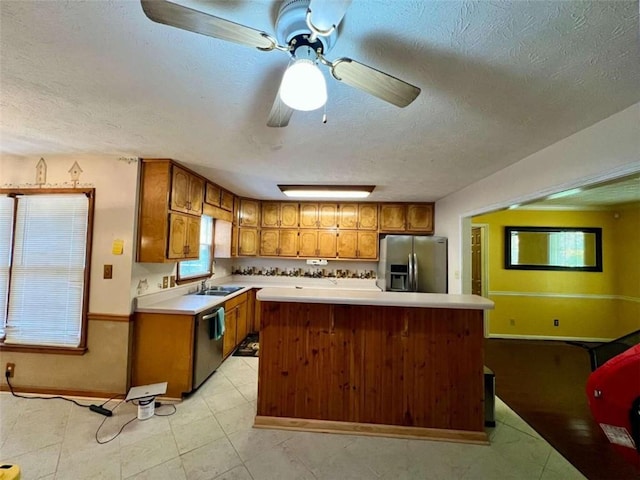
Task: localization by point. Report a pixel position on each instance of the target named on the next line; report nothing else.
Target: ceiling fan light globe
(303, 86)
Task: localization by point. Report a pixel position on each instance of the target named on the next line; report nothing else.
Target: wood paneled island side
(377, 363)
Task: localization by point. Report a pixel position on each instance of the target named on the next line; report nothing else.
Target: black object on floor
(249, 347)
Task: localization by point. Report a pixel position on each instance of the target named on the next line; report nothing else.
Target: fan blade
(328, 13)
(174, 15)
(280, 113)
(375, 82)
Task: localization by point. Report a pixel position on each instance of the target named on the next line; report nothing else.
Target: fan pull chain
(324, 114)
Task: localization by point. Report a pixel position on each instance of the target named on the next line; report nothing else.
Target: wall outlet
(10, 370)
(556, 322)
(512, 322)
(108, 272)
(172, 281)
(165, 282)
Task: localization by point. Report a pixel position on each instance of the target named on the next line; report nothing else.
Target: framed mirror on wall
(553, 248)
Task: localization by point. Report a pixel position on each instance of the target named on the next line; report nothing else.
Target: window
(192, 269)
(44, 271)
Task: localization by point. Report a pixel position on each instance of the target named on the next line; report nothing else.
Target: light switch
(108, 272)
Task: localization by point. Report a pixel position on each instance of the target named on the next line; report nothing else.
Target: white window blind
(6, 233)
(47, 275)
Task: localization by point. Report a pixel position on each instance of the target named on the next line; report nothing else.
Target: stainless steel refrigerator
(413, 264)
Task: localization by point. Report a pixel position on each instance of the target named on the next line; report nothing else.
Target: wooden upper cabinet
(248, 244)
(392, 217)
(348, 244)
(187, 192)
(212, 194)
(358, 216)
(409, 217)
(358, 244)
(166, 225)
(279, 215)
(226, 200)
(184, 237)
(367, 245)
(318, 215)
(249, 213)
(279, 242)
(368, 216)
(420, 218)
(327, 244)
(348, 215)
(317, 243)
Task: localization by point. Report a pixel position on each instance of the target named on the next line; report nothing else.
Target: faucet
(203, 286)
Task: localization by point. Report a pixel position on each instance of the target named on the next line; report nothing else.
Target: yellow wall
(590, 305)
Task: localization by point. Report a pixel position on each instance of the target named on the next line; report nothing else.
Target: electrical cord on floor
(55, 397)
(101, 442)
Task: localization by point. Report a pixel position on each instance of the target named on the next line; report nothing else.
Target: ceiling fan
(305, 30)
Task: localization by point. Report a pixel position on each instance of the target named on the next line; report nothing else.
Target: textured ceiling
(500, 80)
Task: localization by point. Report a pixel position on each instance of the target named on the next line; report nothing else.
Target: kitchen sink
(220, 291)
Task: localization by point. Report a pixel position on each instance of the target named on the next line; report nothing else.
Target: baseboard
(549, 337)
(369, 429)
(52, 392)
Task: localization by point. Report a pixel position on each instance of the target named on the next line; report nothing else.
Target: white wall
(606, 150)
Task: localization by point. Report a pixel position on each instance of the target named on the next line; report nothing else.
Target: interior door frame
(484, 270)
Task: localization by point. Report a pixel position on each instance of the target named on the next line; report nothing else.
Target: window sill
(9, 347)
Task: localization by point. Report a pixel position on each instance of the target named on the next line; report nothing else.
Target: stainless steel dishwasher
(207, 355)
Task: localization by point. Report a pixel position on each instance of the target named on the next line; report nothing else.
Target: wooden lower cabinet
(236, 325)
(155, 334)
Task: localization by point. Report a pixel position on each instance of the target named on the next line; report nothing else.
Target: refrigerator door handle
(410, 279)
(415, 273)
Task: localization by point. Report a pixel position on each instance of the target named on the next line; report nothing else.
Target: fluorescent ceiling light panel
(566, 193)
(326, 191)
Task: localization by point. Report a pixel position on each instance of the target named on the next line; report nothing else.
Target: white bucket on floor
(146, 407)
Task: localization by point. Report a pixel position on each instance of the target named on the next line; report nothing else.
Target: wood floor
(544, 383)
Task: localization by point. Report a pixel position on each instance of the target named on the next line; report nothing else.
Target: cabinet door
(270, 214)
(392, 217)
(242, 327)
(308, 243)
(247, 241)
(193, 238)
(269, 240)
(230, 327)
(327, 243)
(179, 226)
(180, 182)
(348, 244)
(328, 215)
(288, 243)
(249, 213)
(367, 245)
(367, 216)
(420, 218)
(251, 308)
(308, 215)
(196, 194)
(212, 194)
(289, 215)
(226, 201)
(348, 216)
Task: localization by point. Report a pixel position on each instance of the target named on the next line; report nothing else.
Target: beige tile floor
(211, 437)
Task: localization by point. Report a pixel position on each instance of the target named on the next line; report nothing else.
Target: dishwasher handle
(210, 316)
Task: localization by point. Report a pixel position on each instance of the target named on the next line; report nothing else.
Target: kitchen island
(370, 362)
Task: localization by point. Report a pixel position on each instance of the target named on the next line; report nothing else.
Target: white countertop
(389, 299)
(340, 291)
(181, 302)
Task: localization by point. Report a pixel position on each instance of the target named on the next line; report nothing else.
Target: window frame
(183, 280)
(82, 346)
